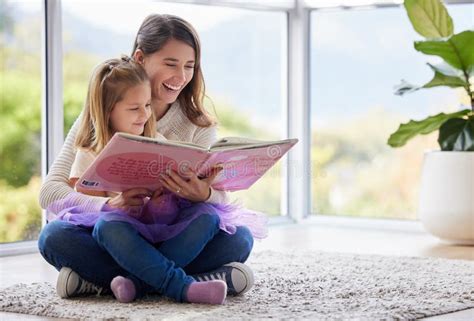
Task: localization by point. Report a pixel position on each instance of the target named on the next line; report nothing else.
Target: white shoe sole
(67, 282)
(241, 283)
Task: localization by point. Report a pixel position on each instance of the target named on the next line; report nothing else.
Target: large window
(243, 59)
(357, 56)
(20, 112)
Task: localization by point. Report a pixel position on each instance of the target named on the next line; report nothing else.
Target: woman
(168, 49)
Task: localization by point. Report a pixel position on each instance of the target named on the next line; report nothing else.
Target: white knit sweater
(174, 125)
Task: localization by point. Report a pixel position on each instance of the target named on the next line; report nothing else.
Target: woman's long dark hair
(153, 34)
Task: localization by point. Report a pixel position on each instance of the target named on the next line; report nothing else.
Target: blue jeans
(120, 250)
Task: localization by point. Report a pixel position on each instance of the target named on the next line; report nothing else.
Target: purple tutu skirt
(163, 221)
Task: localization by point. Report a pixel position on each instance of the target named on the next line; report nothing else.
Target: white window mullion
(298, 112)
(285, 120)
(52, 129)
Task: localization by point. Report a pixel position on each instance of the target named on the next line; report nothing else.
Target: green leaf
(429, 18)
(445, 75)
(458, 50)
(441, 79)
(409, 130)
(457, 134)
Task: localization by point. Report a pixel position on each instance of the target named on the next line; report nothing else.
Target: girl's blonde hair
(155, 31)
(109, 82)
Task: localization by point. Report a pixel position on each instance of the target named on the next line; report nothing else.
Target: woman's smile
(175, 88)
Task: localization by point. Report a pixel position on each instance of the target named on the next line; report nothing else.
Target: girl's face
(169, 70)
(131, 113)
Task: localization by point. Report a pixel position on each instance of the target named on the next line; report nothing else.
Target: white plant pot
(446, 206)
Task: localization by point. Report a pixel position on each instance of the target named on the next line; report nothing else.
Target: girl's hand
(194, 188)
(130, 201)
(156, 197)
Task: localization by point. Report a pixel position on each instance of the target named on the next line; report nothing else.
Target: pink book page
(242, 168)
(126, 164)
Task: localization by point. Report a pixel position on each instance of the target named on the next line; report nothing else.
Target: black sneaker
(70, 284)
(238, 276)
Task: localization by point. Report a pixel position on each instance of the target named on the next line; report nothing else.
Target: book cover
(130, 161)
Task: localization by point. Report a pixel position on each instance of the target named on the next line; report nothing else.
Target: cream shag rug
(291, 285)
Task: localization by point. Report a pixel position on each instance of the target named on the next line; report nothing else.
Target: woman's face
(170, 70)
(130, 114)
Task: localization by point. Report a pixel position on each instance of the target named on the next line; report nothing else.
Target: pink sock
(123, 289)
(210, 292)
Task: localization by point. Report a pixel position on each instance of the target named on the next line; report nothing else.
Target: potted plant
(446, 205)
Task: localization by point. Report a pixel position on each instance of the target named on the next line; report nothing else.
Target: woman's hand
(193, 188)
(130, 201)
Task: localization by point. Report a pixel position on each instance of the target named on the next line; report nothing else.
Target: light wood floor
(387, 238)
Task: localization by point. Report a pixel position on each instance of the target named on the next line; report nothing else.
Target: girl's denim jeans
(116, 248)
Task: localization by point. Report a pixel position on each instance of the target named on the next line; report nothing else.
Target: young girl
(119, 100)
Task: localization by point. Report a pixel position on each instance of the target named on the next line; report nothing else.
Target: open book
(130, 161)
